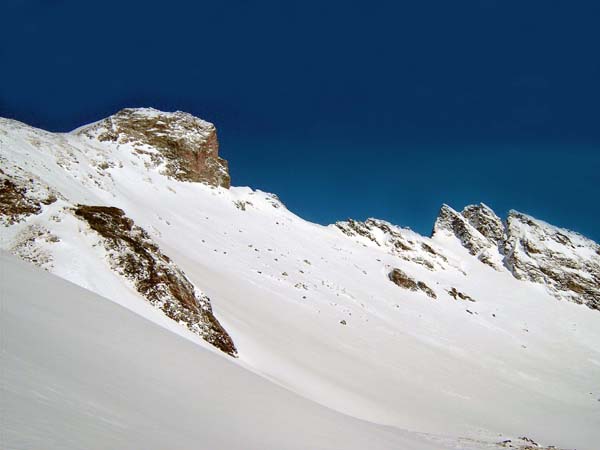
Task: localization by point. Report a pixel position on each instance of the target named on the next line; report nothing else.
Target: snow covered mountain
(565, 262)
(486, 332)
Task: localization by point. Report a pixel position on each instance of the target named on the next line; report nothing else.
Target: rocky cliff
(183, 146)
(564, 261)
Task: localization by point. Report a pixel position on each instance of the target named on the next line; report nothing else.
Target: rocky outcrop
(566, 262)
(184, 147)
(456, 295)
(133, 254)
(401, 242)
(401, 279)
(21, 198)
(485, 220)
(452, 222)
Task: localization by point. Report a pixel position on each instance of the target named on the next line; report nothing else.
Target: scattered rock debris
(459, 295)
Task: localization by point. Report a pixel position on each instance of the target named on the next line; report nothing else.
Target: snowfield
(331, 353)
(80, 372)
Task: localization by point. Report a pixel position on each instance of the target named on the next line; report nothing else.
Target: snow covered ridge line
(567, 263)
(182, 147)
(340, 315)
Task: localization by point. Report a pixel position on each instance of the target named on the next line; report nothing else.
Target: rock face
(183, 146)
(133, 255)
(18, 200)
(478, 244)
(484, 220)
(400, 242)
(566, 262)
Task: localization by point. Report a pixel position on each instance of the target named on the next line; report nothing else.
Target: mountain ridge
(368, 318)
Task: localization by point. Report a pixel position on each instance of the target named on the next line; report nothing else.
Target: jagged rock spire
(485, 220)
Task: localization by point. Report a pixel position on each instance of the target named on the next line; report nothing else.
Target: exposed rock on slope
(404, 281)
(43, 177)
(450, 221)
(397, 241)
(566, 262)
(456, 294)
(484, 220)
(132, 254)
(185, 146)
(18, 200)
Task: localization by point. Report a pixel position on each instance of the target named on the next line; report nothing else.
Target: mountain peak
(451, 222)
(184, 145)
(484, 219)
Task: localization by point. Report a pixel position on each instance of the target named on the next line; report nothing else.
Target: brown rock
(134, 255)
(186, 146)
(401, 279)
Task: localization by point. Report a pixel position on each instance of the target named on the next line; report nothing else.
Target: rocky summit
(185, 146)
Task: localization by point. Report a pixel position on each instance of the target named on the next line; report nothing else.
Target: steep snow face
(566, 262)
(315, 308)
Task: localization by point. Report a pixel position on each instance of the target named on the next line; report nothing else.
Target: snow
(518, 362)
(81, 372)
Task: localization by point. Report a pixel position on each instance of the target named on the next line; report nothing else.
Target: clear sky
(343, 109)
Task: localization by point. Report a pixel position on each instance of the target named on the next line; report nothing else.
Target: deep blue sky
(344, 109)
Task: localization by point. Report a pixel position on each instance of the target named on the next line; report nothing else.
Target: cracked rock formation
(134, 255)
(567, 263)
(183, 146)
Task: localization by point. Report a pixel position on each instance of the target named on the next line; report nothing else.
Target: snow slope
(81, 372)
(311, 308)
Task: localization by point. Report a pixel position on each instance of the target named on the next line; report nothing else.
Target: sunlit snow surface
(517, 362)
(79, 372)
